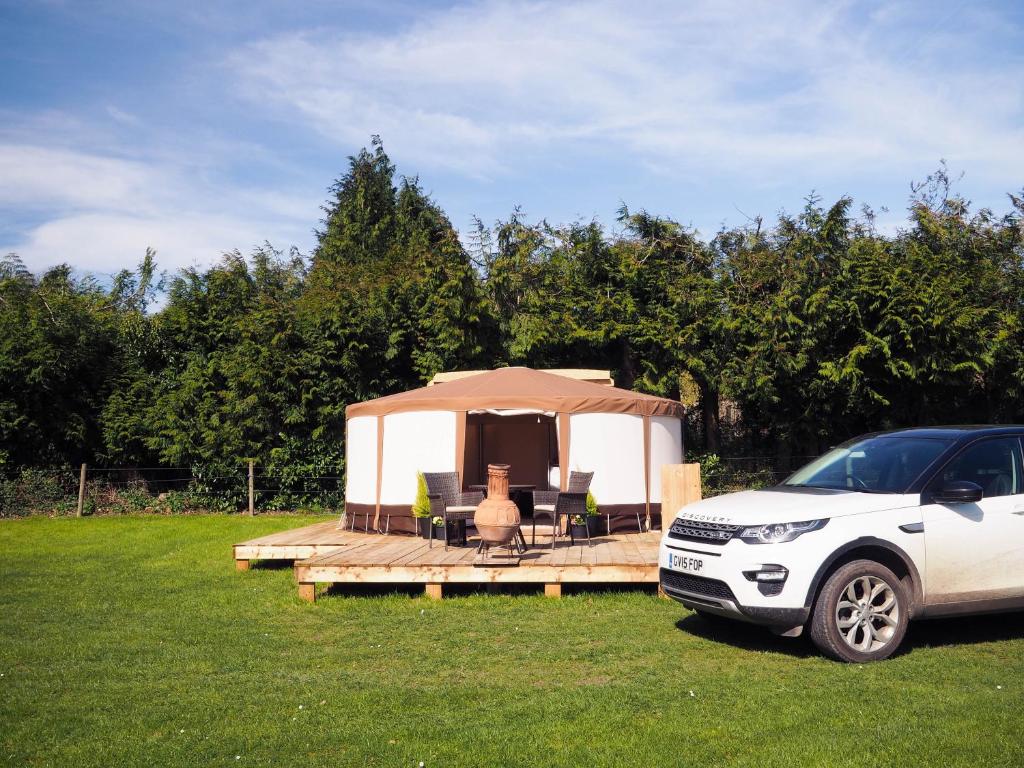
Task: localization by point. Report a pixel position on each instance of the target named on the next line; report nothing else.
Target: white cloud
(100, 212)
(743, 88)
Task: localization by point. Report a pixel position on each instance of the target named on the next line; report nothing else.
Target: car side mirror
(960, 492)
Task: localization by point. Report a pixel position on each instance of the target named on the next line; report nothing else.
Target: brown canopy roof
(519, 388)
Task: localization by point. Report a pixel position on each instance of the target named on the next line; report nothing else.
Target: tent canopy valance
(519, 388)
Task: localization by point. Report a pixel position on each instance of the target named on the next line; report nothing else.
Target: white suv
(885, 528)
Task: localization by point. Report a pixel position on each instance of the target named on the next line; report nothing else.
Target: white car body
(951, 557)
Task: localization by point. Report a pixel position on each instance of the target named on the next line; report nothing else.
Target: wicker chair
(554, 504)
(447, 500)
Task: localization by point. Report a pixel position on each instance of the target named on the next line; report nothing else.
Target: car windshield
(871, 465)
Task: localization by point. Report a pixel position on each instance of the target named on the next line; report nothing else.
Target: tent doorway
(528, 443)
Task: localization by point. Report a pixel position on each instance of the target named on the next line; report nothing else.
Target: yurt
(542, 424)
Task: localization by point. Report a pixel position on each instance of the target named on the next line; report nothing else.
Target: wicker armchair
(554, 504)
(447, 500)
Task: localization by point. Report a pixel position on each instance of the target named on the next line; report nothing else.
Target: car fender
(868, 541)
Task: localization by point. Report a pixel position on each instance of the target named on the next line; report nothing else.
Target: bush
(421, 507)
(718, 476)
(37, 491)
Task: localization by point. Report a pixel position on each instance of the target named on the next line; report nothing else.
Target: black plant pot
(594, 524)
(579, 532)
(456, 533)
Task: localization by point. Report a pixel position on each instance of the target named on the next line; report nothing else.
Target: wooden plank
(588, 555)
(552, 590)
(460, 574)
(307, 591)
(334, 554)
(241, 565)
(375, 553)
(603, 554)
(413, 555)
(616, 554)
(632, 553)
(680, 485)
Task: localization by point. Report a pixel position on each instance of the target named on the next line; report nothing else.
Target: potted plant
(421, 507)
(593, 514)
(578, 525)
(454, 534)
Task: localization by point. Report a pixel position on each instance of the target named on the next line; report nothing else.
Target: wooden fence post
(81, 492)
(252, 494)
(680, 485)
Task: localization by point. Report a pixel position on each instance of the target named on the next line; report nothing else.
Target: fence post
(252, 496)
(81, 492)
(680, 485)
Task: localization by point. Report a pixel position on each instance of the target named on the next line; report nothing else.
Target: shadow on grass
(964, 630)
(748, 637)
(271, 565)
(932, 633)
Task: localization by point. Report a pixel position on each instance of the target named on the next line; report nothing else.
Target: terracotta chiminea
(497, 517)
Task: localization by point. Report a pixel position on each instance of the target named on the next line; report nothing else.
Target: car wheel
(861, 613)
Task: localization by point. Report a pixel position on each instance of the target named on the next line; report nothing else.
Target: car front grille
(696, 585)
(698, 530)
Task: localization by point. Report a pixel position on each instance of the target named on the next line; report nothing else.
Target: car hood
(782, 504)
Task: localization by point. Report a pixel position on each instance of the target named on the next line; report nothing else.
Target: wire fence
(166, 490)
(183, 490)
(727, 474)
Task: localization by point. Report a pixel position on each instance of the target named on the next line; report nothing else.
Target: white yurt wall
(666, 448)
(417, 441)
(361, 460)
(611, 445)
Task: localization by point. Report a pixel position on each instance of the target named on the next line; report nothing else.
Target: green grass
(133, 641)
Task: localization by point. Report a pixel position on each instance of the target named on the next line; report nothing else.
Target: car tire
(861, 613)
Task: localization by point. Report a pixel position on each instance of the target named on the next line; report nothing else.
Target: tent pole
(647, 468)
(563, 451)
(380, 471)
(460, 446)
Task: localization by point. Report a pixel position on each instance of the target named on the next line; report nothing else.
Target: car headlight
(776, 533)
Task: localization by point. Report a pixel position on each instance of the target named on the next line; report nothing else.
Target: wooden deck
(393, 560)
(295, 544)
(324, 554)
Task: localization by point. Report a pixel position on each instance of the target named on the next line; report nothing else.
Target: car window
(884, 464)
(995, 465)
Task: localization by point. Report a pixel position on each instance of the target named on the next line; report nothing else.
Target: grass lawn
(133, 641)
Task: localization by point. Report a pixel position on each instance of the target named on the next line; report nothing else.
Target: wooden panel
(680, 485)
(463, 574)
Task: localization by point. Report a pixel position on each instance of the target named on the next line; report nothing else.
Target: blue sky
(197, 128)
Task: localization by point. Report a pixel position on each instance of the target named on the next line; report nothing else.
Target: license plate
(679, 562)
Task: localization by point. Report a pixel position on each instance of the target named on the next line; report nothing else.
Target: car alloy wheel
(867, 614)
(861, 613)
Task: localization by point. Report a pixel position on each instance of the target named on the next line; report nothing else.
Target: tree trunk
(709, 416)
(627, 369)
